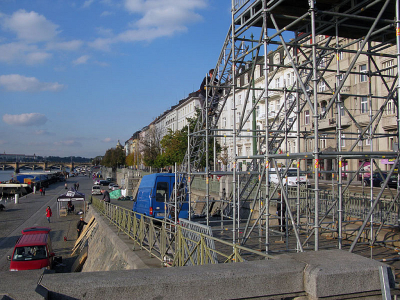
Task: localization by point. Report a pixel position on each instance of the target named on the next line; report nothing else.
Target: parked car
(290, 179)
(115, 187)
(96, 190)
(111, 185)
(378, 180)
(97, 181)
(33, 250)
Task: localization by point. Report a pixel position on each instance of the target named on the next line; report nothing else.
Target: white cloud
(30, 26)
(107, 140)
(87, 3)
(106, 13)
(25, 119)
(67, 46)
(81, 60)
(37, 57)
(158, 18)
(101, 63)
(22, 53)
(19, 83)
(104, 31)
(42, 132)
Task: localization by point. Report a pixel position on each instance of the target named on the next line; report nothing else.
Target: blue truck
(153, 194)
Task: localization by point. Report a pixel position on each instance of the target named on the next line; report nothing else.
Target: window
(29, 253)
(321, 86)
(277, 83)
(391, 143)
(162, 191)
(359, 136)
(388, 65)
(288, 82)
(238, 117)
(364, 105)
(363, 70)
(306, 117)
(340, 55)
(343, 143)
(277, 58)
(368, 138)
(246, 78)
(224, 122)
(323, 106)
(323, 142)
(293, 78)
(390, 108)
(239, 100)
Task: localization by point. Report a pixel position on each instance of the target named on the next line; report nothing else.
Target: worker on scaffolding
(203, 94)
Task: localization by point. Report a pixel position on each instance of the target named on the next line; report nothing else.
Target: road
(31, 212)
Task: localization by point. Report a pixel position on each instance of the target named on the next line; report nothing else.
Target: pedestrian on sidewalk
(66, 186)
(77, 186)
(44, 191)
(48, 213)
(80, 225)
(41, 191)
(106, 196)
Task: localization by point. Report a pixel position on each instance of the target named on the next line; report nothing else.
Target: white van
(96, 190)
(290, 179)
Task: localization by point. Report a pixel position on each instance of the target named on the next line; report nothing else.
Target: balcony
(389, 122)
(327, 123)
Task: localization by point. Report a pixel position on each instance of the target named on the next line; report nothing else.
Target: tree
(133, 159)
(96, 161)
(114, 157)
(174, 145)
(151, 147)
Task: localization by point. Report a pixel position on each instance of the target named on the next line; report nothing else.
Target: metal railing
(174, 245)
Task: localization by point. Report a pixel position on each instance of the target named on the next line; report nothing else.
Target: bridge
(42, 165)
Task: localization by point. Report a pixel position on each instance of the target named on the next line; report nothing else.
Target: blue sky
(77, 76)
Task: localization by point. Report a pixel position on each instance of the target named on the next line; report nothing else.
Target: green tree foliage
(96, 161)
(174, 145)
(133, 159)
(151, 147)
(114, 157)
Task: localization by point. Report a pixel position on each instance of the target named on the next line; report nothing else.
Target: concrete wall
(312, 275)
(106, 250)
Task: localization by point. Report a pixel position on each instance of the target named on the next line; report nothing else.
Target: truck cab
(153, 194)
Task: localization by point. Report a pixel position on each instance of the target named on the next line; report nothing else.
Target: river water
(8, 174)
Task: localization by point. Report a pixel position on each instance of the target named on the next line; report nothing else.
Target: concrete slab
(336, 272)
(229, 281)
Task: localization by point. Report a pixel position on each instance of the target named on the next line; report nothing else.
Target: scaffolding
(341, 53)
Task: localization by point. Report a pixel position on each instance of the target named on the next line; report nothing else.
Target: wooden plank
(84, 231)
(87, 234)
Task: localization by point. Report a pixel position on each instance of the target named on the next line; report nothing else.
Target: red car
(33, 250)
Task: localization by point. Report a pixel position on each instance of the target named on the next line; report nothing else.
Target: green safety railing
(173, 244)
